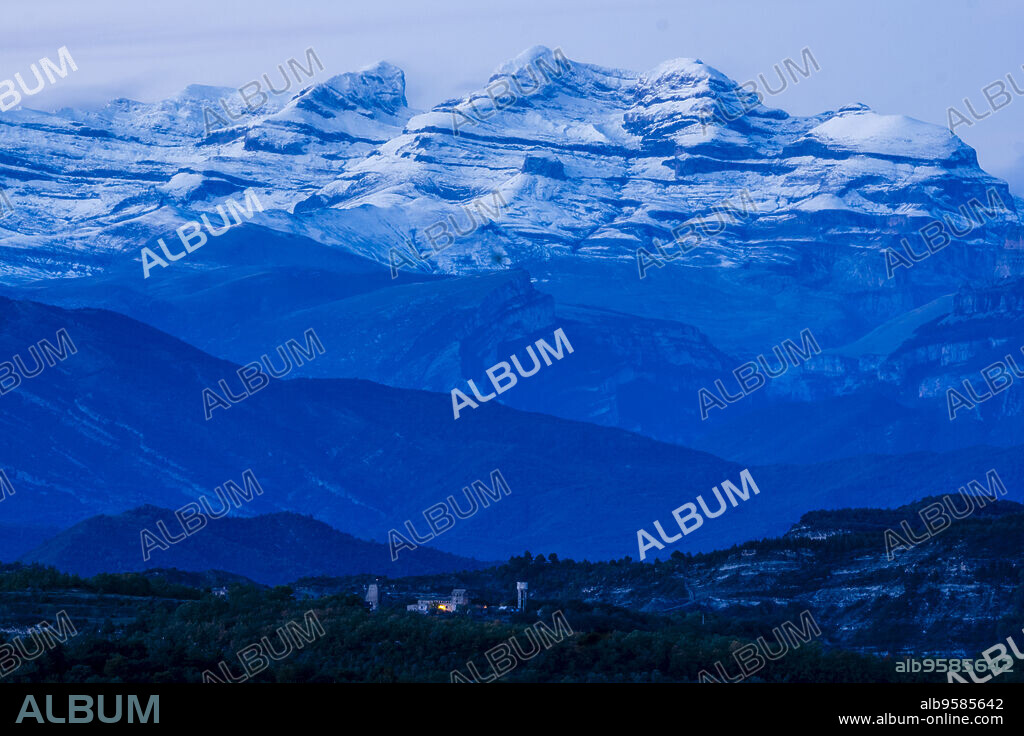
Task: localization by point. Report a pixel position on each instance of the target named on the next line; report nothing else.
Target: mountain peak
(383, 76)
(535, 57)
(380, 86)
(684, 68)
(205, 93)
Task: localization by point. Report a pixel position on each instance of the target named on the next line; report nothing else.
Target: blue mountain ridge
(120, 424)
(592, 164)
(273, 549)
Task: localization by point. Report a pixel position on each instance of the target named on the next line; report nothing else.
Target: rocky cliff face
(941, 597)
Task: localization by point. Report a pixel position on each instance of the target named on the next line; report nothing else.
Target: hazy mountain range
(591, 164)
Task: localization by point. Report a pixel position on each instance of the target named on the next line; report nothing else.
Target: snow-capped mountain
(598, 162)
(591, 162)
(88, 188)
(433, 244)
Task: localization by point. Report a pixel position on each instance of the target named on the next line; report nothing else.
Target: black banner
(314, 706)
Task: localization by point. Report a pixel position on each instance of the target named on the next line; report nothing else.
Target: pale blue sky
(915, 57)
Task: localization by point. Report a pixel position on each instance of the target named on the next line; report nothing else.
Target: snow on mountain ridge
(865, 131)
(638, 154)
(643, 154)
